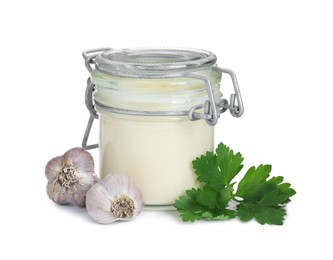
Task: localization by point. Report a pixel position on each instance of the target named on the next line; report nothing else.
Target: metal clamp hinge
(89, 57)
(235, 105)
(212, 108)
(93, 115)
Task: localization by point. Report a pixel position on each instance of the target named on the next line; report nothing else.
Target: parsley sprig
(257, 196)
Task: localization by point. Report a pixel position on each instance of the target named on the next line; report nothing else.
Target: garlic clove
(55, 192)
(53, 167)
(116, 197)
(117, 184)
(81, 159)
(98, 204)
(85, 182)
(79, 198)
(70, 176)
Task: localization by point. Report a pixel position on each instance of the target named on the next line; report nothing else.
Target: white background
(282, 53)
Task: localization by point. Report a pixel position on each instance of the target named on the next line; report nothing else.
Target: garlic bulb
(114, 198)
(70, 176)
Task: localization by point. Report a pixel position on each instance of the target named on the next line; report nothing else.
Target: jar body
(156, 153)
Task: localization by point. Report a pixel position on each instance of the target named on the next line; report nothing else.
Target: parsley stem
(236, 200)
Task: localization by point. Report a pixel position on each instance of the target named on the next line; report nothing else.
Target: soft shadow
(76, 211)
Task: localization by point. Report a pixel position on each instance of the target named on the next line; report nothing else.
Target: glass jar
(156, 108)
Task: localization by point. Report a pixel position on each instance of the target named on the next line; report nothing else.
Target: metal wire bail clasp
(211, 114)
(213, 108)
(89, 57)
(235, 105)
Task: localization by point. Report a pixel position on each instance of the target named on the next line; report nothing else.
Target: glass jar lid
(158, 64)
(153, 62)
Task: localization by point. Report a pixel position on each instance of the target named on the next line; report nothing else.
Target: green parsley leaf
(188, 207)
(229, 163)
(254, 176)
(205, 203)
(270, 215)
(263, 199)
(218, 170)
(207, 197)
(208, 172)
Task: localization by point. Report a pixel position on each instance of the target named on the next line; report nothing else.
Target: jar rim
(135, 62)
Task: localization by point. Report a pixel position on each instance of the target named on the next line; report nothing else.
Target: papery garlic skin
(70, 176)
(116, 197)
